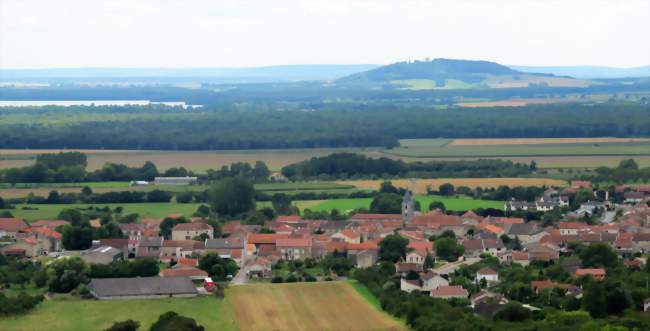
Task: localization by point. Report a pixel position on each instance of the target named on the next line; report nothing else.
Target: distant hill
(455, 74)
(284, 73)
(587, 72)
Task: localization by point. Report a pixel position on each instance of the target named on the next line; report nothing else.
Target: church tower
(408, 205)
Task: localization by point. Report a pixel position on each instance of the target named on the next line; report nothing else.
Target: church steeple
(408, 205)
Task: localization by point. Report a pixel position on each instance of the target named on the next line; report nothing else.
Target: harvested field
(191, 160)
(421, 184)
(306, 306)
(542, 141)
(509, 103)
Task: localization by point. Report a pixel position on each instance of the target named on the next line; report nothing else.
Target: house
(646, 305)
(571, 228)
(261, 268)
(488, 274)
(540, 285)
(174, 180)
(149, 247)
(28, 247)
(427, 282)
(364, 258)
(132, 230)
(580, 184)
(633, 197)
(361, 218)
(294, 248)
(231, 247)
(102, 255)
(184, 271)
(278, 177)
(521, 258)
(173, 250)
(121, 244)
(188, 231)
(49, 240)
(142, 288)
(449, 292)
(475, 247)
(52, 224)
(524, 232)
(187, 262)
(598, 273)
(402, 268)
(289, 219)
(347, 235)
(9, 227)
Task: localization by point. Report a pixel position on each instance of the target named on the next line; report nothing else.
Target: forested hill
(436, 69)
(455, 74)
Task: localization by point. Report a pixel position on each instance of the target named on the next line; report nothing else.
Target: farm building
(174, 180)
(142, 288)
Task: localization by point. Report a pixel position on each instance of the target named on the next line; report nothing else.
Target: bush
(328, 279)
(310, 278)
(291, 279)
(277, 279)
(128, 325)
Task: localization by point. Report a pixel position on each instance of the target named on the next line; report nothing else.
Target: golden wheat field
(306, 306)
(421, 184)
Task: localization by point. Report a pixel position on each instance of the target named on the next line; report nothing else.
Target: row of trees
(351, 164)
(354, 124)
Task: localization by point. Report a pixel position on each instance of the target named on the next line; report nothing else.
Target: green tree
(71, 215)
(597, 255)
(168, 224)
(171, 321)
(437, 205)
(594, 299)
(128, 325)
(216, 266)
(449, 249)
(260, 171)
(76, 237)
(446, 189)
(64, 275)
(281, 204)
(393, 248)
(386, 203)
(232, 196)
(428, 261)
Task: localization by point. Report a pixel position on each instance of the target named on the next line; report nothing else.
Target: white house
(488, 274)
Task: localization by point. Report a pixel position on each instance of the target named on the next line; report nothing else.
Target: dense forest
(345, 165)
(168, 128)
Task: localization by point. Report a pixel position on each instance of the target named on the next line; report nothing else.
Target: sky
(241, 33)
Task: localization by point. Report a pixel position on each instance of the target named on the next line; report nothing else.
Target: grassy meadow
(72, 314)
(145, 210)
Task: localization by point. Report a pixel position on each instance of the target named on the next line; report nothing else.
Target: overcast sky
(228, 33)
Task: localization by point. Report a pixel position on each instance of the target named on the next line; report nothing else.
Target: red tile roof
(350, 234)
(264, 238)
(47, 232)
(447, 291)
(183, 272)
(293, 242)
(363, 246)
(231, 226)
(573, 225)
(487, 271)
(510, 220)
(594, 272)
(376, 217)
(187, 262)
(12, 224)
(192, 227)
(289, 218)
(49, 223)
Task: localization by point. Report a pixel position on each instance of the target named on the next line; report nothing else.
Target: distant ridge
(279, 73)
(588, 71)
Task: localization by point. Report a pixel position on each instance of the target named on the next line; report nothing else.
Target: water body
(65, 103)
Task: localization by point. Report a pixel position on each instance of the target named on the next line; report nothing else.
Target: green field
(451, 203)
(428, 84)
(458, 203)
(71, 314)
(432, 148)
(302, 186)
(145, 210)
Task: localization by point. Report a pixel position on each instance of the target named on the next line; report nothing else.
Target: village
(424, 267)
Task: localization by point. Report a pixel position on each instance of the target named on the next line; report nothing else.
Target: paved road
(241, 277)
(448, 268)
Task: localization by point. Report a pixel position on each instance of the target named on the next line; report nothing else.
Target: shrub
(277, 279)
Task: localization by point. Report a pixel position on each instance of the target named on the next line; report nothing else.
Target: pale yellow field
(539, 141)
(421, 184)
(509, 103)
(306, 306)
(191, 160)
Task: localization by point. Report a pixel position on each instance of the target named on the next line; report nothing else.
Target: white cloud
(167, 33)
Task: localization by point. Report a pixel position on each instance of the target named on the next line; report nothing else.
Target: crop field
(145, 210)
(72, 314)
(542, 141)
(459, 203)
(421, 184)
(306, 306)
(343, 205)
(191, 160)
(573, 149)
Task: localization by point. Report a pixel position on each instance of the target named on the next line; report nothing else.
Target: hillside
(455, 74)
(589, 71)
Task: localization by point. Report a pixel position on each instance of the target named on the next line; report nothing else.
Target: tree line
(138, 127)
(347, 165)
